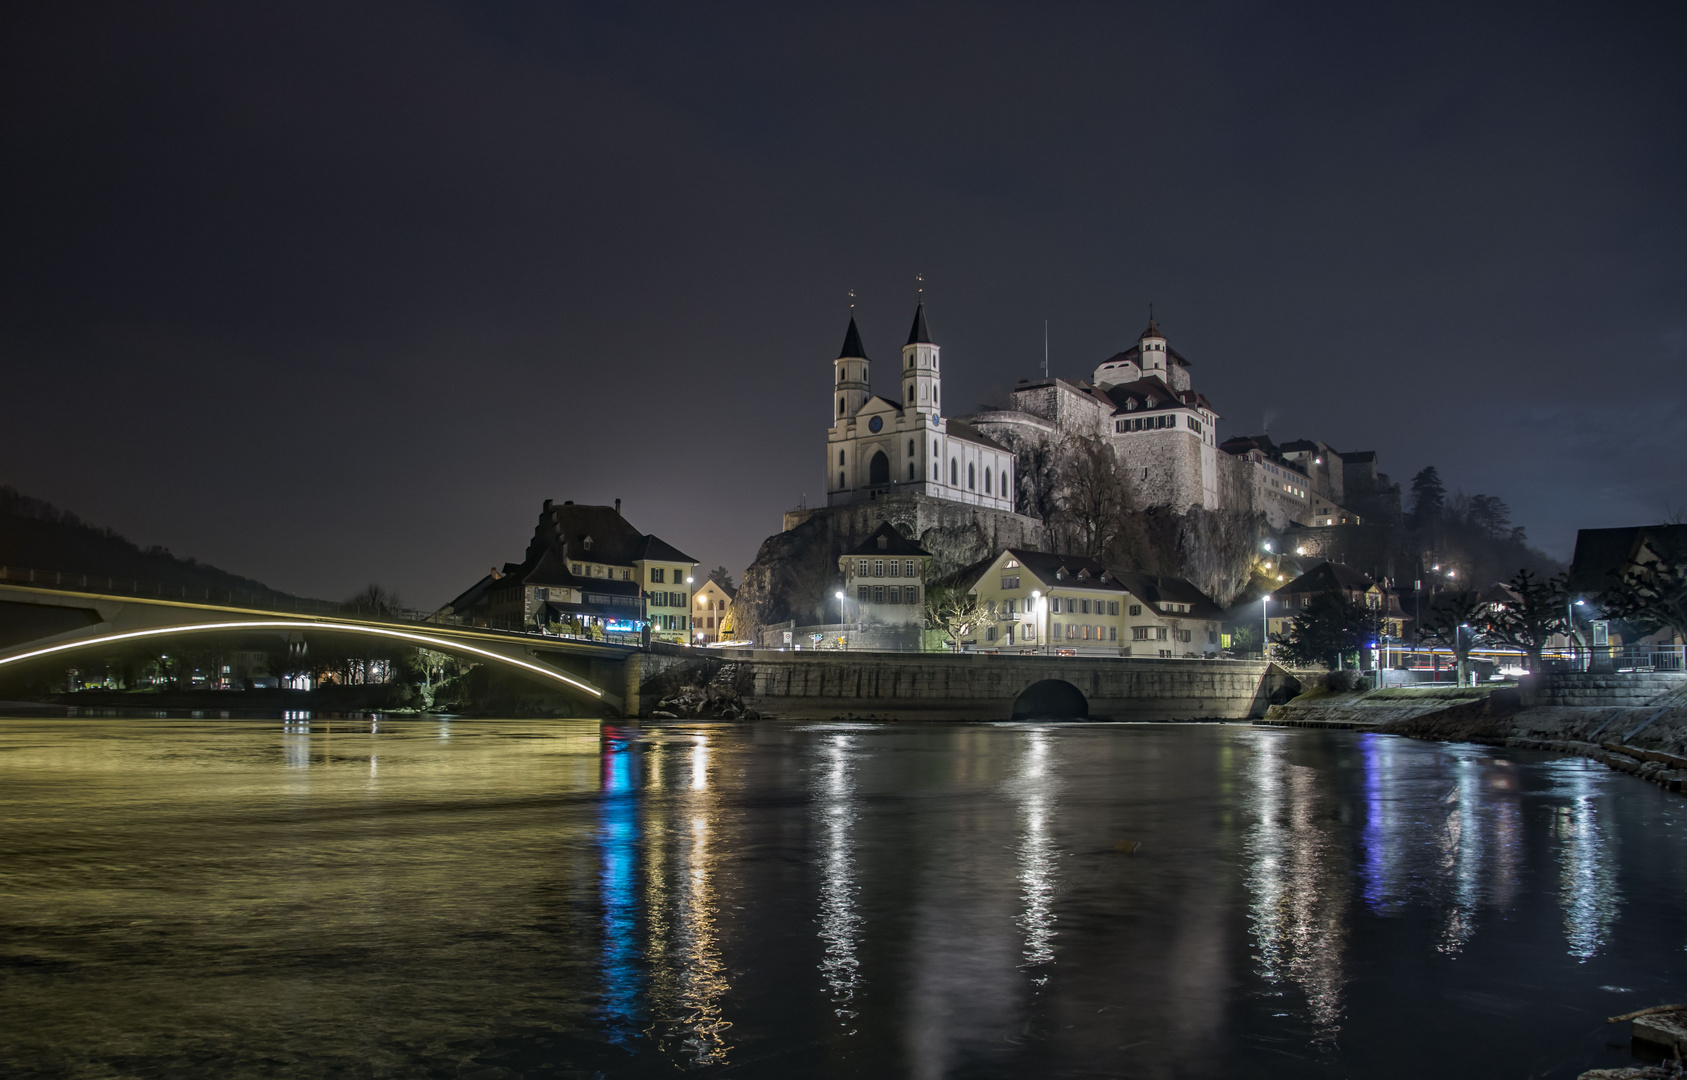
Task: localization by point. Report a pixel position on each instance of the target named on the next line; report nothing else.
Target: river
(426, 897)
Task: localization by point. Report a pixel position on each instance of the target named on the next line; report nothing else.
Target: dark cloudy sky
(339, 292)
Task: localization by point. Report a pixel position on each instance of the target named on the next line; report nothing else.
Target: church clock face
(875, 424)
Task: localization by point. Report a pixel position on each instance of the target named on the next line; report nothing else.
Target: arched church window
(910, 470)
(954, 473)
(840, 481)
(840, 406)
(840, 457)
(910, 393)
(878, 469)
(971, 478)
(910, 448)
(986, 481)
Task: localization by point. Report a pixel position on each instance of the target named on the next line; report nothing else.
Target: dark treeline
(36, 535)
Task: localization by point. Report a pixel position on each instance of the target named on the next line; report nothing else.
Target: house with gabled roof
(1035, 600)
(589, 571)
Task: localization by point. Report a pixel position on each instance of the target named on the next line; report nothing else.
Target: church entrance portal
(878, 469)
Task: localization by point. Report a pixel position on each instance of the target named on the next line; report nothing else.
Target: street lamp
(1265, 626)
(1037, 621)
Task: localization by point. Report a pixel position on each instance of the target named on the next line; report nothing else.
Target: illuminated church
(878, 446)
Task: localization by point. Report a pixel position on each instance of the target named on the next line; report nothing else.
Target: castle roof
(1152, 331)
(1134, 355)
(918, 334)
(887, 540)
(852, 347)
(960, 429)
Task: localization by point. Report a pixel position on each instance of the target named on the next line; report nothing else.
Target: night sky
(335, 293)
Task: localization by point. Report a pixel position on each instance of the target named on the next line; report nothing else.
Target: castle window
(862, 593)
(861, 568)
(840, 481)
(840, 457)
(878, 594)
(910, 393)
(878, 568)
(910, 470)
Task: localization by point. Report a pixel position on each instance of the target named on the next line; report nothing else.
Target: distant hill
(37, 535)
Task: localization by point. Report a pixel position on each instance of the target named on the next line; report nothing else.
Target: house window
(1054, 604)
(895, 594)
(1112, 633)
(1010, 582)
(656, 574)
(878, 568)
(894, 567)
(1139, 633)
(1212, 637)
(1136, 609)
(1086, 633)
(908, 569)
(911, 594)
(1185, 635)
(1112, 607)
(1072, 631)
(862, 594)
(989, 633)
(878, 594)
(1159, 633)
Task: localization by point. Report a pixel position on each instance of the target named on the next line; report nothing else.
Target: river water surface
(311, 897)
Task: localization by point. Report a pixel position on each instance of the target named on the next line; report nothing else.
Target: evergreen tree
(1429, 494)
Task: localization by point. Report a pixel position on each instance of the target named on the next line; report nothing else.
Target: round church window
(875, 424)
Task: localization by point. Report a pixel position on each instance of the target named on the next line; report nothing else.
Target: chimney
(547, 506)
(617, 506)
(495, 574)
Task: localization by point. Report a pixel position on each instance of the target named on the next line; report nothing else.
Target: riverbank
(1641, 734)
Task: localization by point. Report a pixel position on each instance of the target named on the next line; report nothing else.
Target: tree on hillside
(1429, 494)
(376, 603)
(721, 576)
(1037, 478)
(953, 611)
(1455, 620)
(1652, 595)
(1326, 631)
(1535, 614)
(1094, 498)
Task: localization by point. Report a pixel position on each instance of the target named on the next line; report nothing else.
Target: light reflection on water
(307, 896)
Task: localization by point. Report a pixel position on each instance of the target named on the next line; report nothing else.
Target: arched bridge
(37, 621)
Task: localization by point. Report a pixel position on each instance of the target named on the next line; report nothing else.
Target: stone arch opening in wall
(1051, 699)
(878, 469)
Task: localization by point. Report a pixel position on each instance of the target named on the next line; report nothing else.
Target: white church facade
(877, 447)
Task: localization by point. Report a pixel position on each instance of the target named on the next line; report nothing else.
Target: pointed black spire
(852, 347)
(919, 335)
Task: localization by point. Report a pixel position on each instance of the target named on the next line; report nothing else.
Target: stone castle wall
(956, 534)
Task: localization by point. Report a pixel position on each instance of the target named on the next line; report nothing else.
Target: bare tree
(1455, 620)
(1094, 498)
(1037, 469)
(1652, 593)
(375, 602)
(953, 611)
(1535, 613)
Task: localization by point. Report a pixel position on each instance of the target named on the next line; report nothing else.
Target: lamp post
(1265, 627)
(1037, 621)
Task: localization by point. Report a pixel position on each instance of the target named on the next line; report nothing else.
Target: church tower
(1152, 353)
(851, 388)
(921, 382)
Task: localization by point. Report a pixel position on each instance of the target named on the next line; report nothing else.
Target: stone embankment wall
(985, 687)
(1599, 689)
